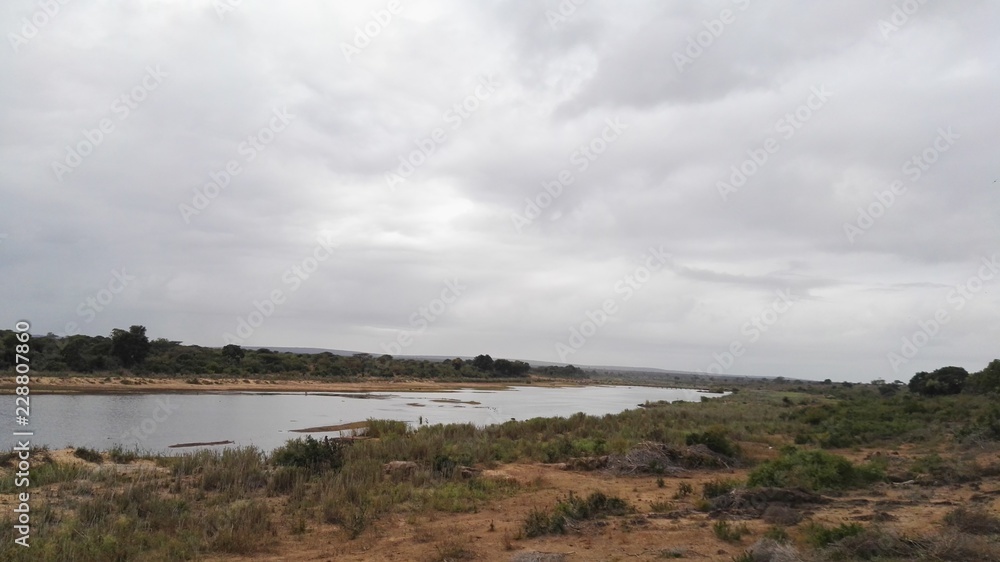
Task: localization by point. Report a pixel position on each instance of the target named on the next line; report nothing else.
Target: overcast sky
(653, 184)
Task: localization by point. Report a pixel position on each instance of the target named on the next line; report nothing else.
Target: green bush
(715, 439)
(821, 536)
(814, 470)
(573, 508)
(730, 533)
(88, 455)
(310, 453)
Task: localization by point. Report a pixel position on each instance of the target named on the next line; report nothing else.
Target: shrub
(975, 521)
(777, 534)
(820, 535)
(239, 528)
(946, 380)
(661, 506)
(121, 455)
(715, 439)
(730, 533)
(386, 428)
(310, 453)
(683, 491)
(718, 487)
(814, 470)
(572, 509)
(88, 455)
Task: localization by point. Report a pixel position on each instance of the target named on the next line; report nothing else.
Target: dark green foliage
(386, 428)
(863, 417)
(946, 380)
(310, 453)
(88, 455)
(814, 470)
(131, 347)
(573, 509)
(483, 363)
(233, 353)
(984, 426)
(986, 381)
(715, 439)
(820, 536)
(568, 371)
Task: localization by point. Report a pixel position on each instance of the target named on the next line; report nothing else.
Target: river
(154, 422)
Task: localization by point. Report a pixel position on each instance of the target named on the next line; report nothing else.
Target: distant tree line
(132, 350)
(956, 380)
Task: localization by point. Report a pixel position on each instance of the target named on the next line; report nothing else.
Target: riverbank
(707, 481)
(196, 384)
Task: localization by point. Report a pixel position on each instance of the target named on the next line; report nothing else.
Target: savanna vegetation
(796, 441)
(133, 352)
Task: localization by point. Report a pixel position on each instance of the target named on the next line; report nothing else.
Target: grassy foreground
(713, 466)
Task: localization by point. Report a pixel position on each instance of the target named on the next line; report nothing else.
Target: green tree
(985, 381)
(946, 380)
(483, 363)
(233, 353)
(131, 347)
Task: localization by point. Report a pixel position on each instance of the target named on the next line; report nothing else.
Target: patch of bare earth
(662, 527)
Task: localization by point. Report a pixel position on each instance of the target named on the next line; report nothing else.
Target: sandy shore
(144, 385)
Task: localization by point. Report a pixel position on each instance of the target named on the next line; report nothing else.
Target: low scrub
(815, 471)
(572, 510)
(728, 532)
(310, 453)
(716, 440)
(88, 455)
(820, 535)
(975, 521)
(718, 487)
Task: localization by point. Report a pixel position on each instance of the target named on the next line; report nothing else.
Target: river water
(154, 422)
